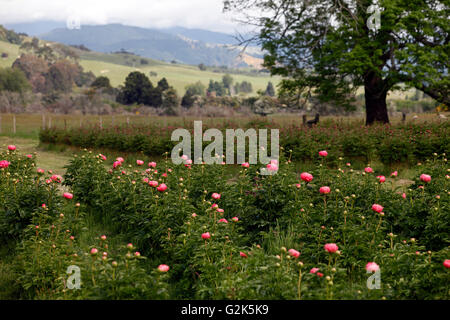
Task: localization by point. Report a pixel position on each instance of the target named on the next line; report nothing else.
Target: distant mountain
(190, 46)
(35, 28)
(202, 35)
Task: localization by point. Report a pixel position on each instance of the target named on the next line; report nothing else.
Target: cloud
(204, 14)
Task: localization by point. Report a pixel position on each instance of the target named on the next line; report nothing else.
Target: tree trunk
(375, 93)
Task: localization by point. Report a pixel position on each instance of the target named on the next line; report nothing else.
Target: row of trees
(138, 89)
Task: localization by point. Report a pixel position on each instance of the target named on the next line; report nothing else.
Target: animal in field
(310, 123)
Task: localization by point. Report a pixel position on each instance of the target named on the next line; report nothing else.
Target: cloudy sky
(204, 14)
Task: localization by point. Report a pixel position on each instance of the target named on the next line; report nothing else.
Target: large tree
(332, 47)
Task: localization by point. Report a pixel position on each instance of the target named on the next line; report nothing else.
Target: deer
(310, 123)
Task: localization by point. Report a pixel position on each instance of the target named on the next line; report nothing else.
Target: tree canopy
(330, 48)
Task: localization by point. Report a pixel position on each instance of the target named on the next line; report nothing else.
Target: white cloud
(204, 14)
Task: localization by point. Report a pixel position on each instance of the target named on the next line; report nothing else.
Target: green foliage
(390, 144)
(234, 246)
(13, 80)
(331, 51)
(270, 90)
(101, 82)
(217, 87)
(192, 90)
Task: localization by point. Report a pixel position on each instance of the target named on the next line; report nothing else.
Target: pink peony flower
(68, 195)
(29, 156)
(40, 171)
(220, 210)
(324, 190)
(215, 196)
(404, 195)
(152, 164)
(368, 170)
(162, 187)
(223, 220)
(235, 219)
(56, 178)
(381, 179)
(272, 167)
(323, 153)
(102, 156)
(163, 268)
(447, 263)
(320, 274)
(394, 174)
(120, 159)
(11, 147)
(194, 215)
(294, 253)
(377, 208)
(153, 183)
(425, 178)
(184, 157)
(372, 267)
(307, 177)
(348, 164)
(94, 251)
(313, 270)
(206, 235)
(4, 164)
(331, 247)
(103, 237)
(298, 185)
(116, 164)
(139, 162)
(243, 255)
(164, 175)
(245, 165)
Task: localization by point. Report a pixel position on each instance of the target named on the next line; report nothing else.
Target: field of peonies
(147, 230)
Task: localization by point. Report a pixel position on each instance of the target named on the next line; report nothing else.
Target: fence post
(14, 123)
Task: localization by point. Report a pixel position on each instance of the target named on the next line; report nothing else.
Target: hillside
(114, 67)
(174, 44)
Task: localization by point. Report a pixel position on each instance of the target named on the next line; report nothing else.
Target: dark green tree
(217, 87)
(101, 82)
(12, 79)
(170, 101)
(270, 90)
(163, 85)
(330, 48)
(227, 81)
(137, 89)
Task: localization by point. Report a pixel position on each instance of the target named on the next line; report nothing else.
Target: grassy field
(28, 125)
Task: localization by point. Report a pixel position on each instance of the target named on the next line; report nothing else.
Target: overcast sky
(203, 14)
